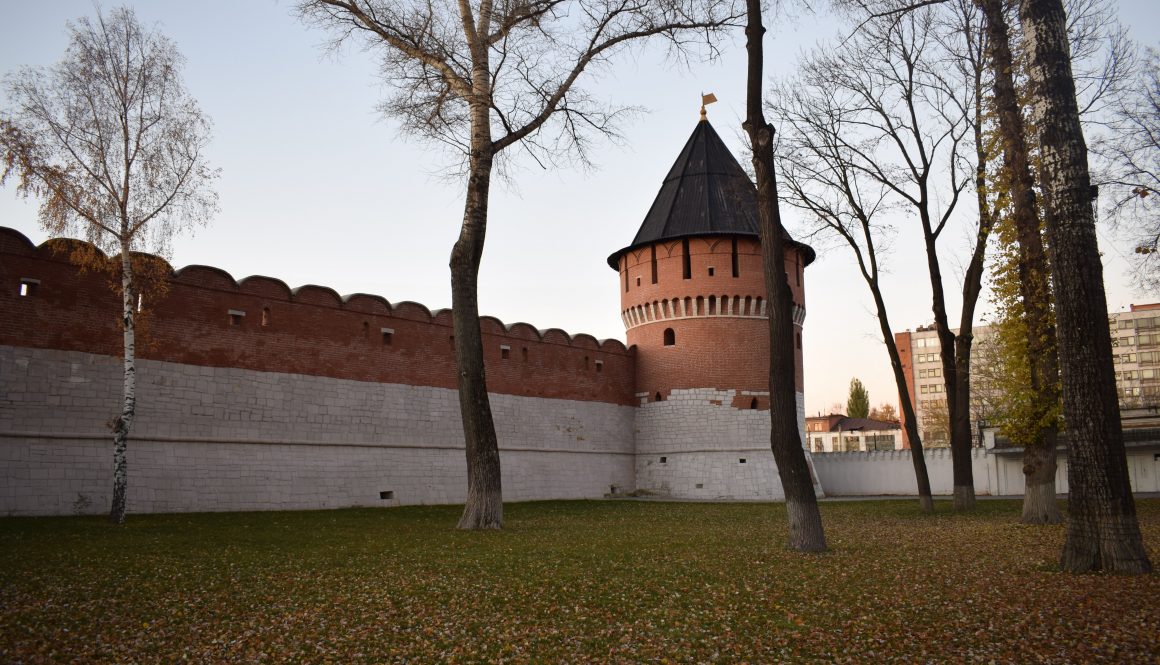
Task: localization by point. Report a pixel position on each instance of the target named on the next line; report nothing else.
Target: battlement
(206, 317)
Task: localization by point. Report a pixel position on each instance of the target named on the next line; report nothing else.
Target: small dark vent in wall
(741, 460)
(387, 495)
(700, 486)
(664, 460)
(753, 403)
(712, 271)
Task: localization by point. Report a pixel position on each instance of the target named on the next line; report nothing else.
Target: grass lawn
(602, 581)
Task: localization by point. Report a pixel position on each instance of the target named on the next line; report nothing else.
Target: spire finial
(705, 101)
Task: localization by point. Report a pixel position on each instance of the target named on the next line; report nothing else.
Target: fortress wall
(208, 319)
(210, 438)
(691, 445)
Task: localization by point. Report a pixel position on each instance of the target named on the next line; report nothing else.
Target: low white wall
(210, 439)
(892, 472)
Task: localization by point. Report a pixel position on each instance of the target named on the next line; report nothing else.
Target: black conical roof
(706, 192)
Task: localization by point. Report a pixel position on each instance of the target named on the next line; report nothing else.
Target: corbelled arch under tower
(694, 305)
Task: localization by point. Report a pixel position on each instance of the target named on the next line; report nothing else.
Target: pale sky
(318, 188)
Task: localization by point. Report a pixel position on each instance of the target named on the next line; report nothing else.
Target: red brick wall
(725, 352)
(309, 330)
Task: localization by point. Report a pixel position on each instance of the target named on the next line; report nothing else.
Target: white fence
(892, 472)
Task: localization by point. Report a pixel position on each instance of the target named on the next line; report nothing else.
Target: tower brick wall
(718, 317)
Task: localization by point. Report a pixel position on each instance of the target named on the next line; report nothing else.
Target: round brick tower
(694, 305)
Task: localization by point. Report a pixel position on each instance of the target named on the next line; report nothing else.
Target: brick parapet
(207, 318)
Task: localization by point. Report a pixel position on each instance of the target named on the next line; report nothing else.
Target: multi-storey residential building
(1136, 354)
(1135, 345)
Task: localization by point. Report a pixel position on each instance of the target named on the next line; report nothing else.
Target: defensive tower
(694, 306)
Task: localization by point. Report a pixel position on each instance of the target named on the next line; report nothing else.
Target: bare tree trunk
(917, 459)
(1103, 533)
(484, 507)
(805, 520)
(124, 422)
(1039, 464)
(963, 476)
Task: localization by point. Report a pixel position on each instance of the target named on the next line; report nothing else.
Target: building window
(28, 286)
(388, 335)
(505, 352)
(670, 337)
(654, 264)
(236, 316)
(736, 267)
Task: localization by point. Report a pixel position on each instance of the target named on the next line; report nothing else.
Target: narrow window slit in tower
(688, 262)
(712, 271)
(265, 316)
(736, 268)
(366, 329)
(236, 316)
(670, 337)
(654, 264)
(388, 335)
(660, 397)
(753, 403)
(505, 352)
(585, 362)
(638, 281)
(28, 286)
(599, 366)
(524, 353)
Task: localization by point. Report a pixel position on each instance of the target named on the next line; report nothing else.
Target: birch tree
(486, 77)
(112, 145)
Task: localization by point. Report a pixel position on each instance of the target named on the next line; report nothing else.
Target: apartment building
(1136, 353)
